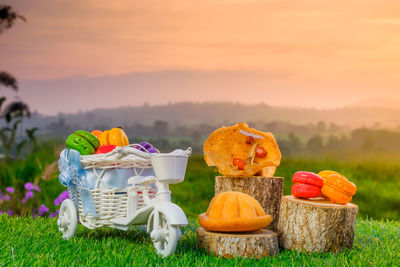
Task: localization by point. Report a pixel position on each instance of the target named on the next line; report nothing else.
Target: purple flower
(10, 189)
(29, 186)
(36, 188)
(61, 197)
(23, 200)
(29, 195)
(7, 198)
(57, 201)
(42, 210)
(1, 212)
(64, 195)
(9, 212)
(53, 215)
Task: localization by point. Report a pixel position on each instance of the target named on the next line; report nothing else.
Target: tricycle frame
(146, 201)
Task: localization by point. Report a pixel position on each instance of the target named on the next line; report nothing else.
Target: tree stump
(255, 245)
(316, 225)
(266, 190)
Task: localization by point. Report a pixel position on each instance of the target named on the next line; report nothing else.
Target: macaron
(118, 137)
(308, 178)
(324, 174)
(338, 189)
(97, 133)
(306, 184)
(305, 190)
(103, 138)
(83, 142)
(146, 147)
(105, 149)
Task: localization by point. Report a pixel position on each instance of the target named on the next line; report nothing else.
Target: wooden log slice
(266, 190)
(255, 245)
(316, 225)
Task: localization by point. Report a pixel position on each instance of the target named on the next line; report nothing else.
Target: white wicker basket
(111, 202)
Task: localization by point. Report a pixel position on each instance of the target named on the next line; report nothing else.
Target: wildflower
(36, 188)
(29, 195)
(29, 186)
(57, 201)
(43, 209)
(60, 198)
(64, 195)
(1, 212)
(9, 212)
(6, 198)
(53, 215)
(10, 189)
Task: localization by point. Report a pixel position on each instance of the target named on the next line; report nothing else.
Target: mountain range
(221, 113)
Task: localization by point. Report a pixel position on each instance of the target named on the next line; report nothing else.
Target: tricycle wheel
(67, 219)
(164, 235)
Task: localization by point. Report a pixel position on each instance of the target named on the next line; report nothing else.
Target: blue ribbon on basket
(73, 177)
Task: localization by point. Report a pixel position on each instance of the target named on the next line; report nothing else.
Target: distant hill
(220, 113)
(81, 93)
(384, 103)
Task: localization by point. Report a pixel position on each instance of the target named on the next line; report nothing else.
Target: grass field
(29, 242)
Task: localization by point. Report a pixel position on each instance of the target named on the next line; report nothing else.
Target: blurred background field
(377, 184)
(377, 179)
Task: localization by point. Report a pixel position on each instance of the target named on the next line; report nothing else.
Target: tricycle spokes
(163, 234)
(67, 219)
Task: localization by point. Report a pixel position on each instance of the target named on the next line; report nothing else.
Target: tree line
(315, 138)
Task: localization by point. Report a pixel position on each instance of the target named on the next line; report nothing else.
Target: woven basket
(109, 204)
(113, 202)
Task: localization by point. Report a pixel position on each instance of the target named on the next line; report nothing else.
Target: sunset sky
(309, 53)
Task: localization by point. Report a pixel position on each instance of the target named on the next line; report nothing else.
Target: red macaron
(306, 184)
(105, 149)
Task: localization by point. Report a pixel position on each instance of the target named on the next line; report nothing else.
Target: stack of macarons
(327, 184)
(337, 188)
(306, 184)
(83, 142)
(101, 142)
(88, 143)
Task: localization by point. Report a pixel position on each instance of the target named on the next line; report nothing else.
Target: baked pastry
(242, 151)
(234, 212)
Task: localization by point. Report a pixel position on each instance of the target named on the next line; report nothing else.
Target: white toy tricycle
(122, 188)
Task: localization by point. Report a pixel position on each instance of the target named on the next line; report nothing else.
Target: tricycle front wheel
(164, 235)
(67, 219)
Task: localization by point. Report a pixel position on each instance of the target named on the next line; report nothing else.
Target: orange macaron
(338, 189)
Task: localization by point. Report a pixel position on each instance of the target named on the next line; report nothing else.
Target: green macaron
(83, 142)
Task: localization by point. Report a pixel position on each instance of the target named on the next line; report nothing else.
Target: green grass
(38, 243)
